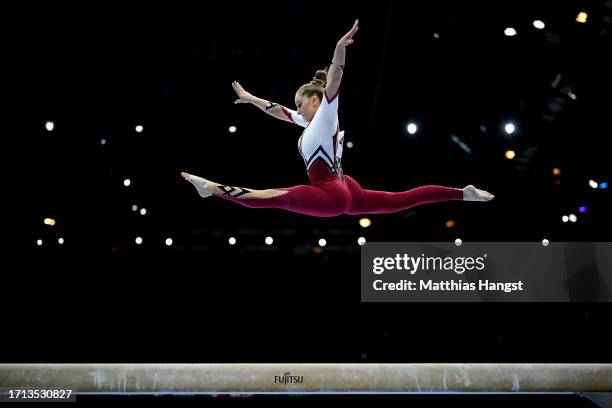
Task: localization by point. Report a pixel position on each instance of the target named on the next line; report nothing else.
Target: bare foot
(204, 187)
(471, 193)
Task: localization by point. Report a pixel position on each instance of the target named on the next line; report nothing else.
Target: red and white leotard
(322, 139)
(331, 193)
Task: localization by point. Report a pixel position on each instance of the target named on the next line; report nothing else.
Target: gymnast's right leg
(384, 202)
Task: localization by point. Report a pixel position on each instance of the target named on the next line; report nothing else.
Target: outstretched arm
(334, 75)
(269, 107)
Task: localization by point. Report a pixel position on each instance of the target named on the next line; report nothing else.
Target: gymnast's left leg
(319, 201)
(207, 188)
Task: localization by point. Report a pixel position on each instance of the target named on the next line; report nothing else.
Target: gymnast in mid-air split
(331, 192)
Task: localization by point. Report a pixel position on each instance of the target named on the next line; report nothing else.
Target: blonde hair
(316, 86)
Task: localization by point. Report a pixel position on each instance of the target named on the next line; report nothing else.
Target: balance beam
(308, 378)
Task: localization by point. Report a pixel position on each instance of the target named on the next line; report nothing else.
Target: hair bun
(320, 78)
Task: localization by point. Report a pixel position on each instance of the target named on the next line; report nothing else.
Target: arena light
(138, 240)
(169, 241)
(269, 240)
(510, 32)
(361, 240)
(510, 154)
(365, 222)
(143, 211)
(139, 129)
(582, 17)
(322, 242)
(509, 128)
(461, 144)
(412, 128)
(539, 24)
(60, 241)
(49, 126)
(593, 184)
(233, 129)
(49, 221)
(127, 182)
(232, 241)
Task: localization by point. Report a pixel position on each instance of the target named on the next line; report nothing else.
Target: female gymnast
(331, 192)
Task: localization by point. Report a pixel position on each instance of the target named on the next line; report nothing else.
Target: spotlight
(582, 17)
(233, 129)
(593, 184)
(269, 240)
(603, 186)
(461, 144)
(143, 211)
(545, 242)
(102, 142)
(565, 218)
(168, 241)
(138, 240)
(458, 242)
(365, 222)
(349, 145)
(509, 128)
(139, 129)
(412, 128)
(49, 126)
(582, 209)
(573, 218)
(556, 171)
(539, 24)
(450, 224)
(436, 35)
(361, 240)
(232, 241)
(60, 241)
(127, 182)
(510, 32)
(39, 242)
(510, 154)
(322, 242)
(134, 208)
(49, 221)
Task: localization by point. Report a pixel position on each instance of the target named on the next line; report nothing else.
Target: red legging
(330, 196)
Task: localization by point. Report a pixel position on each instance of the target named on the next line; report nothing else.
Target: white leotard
(321, 139)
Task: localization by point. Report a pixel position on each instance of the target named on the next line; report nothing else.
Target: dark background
(98, 70)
